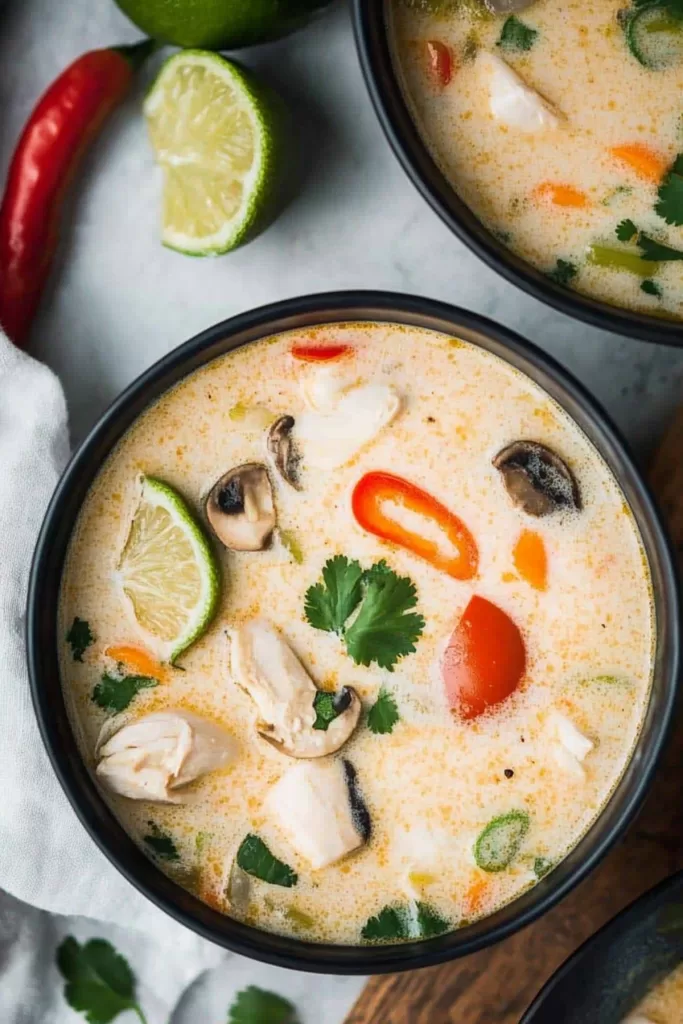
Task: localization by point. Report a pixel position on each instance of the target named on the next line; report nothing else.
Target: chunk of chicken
(329, 439)
(317, 808)
(156, 755)
(571, 747)
(511, 100)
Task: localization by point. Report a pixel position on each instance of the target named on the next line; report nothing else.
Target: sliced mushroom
(240, 508)
(156, 755)
(282, 450)
(266, 667)
(537, 479)
(319, 809)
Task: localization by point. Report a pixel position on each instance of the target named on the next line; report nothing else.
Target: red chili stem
(64, 122)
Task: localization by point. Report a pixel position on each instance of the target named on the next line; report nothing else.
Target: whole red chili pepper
(66, 119)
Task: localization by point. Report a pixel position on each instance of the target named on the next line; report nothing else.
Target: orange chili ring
(320, 353)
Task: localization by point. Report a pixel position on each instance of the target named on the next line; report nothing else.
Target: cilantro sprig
(114, 693)
(650, 249)
(256, 1006)
(383, 715)
(161, 843)
(515, 36)
(255, 858)
(79, 638)
(402, 922)
(98, 981)
(563, 272)
(383, 628)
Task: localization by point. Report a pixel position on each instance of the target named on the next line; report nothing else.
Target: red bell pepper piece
(375, 489)
(66, 119)
(319, 353)
(484, 661)
(440, 62)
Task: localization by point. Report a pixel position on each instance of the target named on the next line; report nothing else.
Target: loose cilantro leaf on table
(516, 36)
(651, 288)
(383, 715)
(563, 272)
(402, 922)
(99, 981)
(255, 858)
(329, 604)
(114, 693)
(384, 629)
(256, 1006)
(670, 202)
(160, 842)
(626, 231)
(79, 638)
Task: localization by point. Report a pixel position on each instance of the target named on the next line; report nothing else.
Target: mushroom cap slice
(282, 450)
(154, 756)
(316, 806)
(266, 667)
(240, 508)
(537, 479)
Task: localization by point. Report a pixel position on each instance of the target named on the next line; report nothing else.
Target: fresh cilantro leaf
(256, 1006)
(563, 272)
(516, 36)
(670, 202)
(114, 693)
(542, 866)
(626, 231)
(99, 981)
(79, 638)
(651, 288)
(653, 250)
(401, 922)
(384, 629)
(160, 842)
(255, 858)
(430, 922)
(329, 604)
(383, 715)
(329, 706)
(390, 924)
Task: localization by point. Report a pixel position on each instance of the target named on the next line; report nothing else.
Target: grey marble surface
(119, 301)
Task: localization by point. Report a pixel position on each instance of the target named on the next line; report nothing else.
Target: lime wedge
(215, 134)
(168, 571)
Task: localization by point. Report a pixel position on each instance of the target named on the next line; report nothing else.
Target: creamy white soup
(358, 633)
(560, 126)
(664, 1004)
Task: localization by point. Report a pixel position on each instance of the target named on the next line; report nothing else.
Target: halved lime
(215, 132)
(168, 571)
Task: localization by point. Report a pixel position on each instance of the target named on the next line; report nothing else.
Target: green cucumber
(500, 842)
(655, 37)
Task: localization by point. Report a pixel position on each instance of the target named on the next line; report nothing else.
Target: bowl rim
(42, 640)
(369, 22)
(631, 915)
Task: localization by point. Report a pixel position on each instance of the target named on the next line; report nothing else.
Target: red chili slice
(320, 353)
(374, 489)
(440, 62)
(484, 661)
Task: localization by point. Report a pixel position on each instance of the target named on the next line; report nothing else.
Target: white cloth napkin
(46, 857)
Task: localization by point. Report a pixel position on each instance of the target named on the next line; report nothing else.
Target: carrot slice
(531, 560)
(640, 158)
(561, 195)
(138, 659)
(474, 897)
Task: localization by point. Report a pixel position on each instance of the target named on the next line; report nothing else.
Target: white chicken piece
(329, 439)
(312, 805)
(571, 746)
(323, 386)
(156, 755)
(511, 101)
(266, 667)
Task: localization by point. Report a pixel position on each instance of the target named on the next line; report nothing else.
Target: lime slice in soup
(168, 571)
(215, 133)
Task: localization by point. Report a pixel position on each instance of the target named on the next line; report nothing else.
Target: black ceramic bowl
(370, 24)
(42, 639)
(608, 976)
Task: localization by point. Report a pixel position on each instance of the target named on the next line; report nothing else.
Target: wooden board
(496, 985)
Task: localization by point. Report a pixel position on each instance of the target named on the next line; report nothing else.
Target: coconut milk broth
(581, 64)
(434, 783)
(664, 1004)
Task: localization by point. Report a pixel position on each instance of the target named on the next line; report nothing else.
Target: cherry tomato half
(484, 661)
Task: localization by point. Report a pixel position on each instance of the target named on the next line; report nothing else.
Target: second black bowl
(372, 39)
